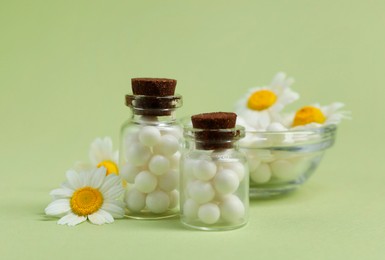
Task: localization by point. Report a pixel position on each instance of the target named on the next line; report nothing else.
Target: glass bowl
(280, 162)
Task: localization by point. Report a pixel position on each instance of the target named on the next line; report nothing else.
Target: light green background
(65, 67)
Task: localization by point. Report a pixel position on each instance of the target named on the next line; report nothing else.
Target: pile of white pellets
(151, 168)
(211, 191)
(268, 166)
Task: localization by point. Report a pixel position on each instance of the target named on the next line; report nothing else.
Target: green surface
(65, 67)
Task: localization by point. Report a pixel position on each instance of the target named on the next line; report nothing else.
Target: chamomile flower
(87, 195)
(261, 106)
(316, 116)
(101, 154)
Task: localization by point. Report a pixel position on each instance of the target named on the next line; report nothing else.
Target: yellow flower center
(261, 100)
(307, 115)
(110, 166)
(86, 201)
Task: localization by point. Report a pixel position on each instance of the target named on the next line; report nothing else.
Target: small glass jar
(214, 180)
(150, 150)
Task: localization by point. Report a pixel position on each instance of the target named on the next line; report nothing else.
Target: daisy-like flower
(316, 116)
(87, 195)
(101, 154)
(261, 106)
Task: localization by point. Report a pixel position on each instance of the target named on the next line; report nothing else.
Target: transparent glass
(280, 162)
(150, 151)
(214, 183)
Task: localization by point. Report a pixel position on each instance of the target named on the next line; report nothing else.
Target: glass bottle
(214, 180)
(149, 156)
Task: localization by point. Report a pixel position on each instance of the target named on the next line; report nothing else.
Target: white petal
(58, 207)
(82, 166)
(252, 90)
(337, 105)
(74, 179)
(96, 219)
(264, 120)
(115, 208)
(278, 80)
(290, 96)
(114, 192)
(115, 157)
(286, 119)
(277, 107)
(109, 182)
(289, 82)
(107, 216)
(287, 97)
(97, 177)
(242, 122)
(101, 150)
(99, 218)
(83, 178)
(66, 185)
(335, 118)
(71, 220)
(61, 193)
(251, 117)
(332, 108)
(108, 142)
(86, 177)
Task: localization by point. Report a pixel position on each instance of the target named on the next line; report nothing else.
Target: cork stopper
(216, 130)
(153, 96)
(160, 87)
(215, 120)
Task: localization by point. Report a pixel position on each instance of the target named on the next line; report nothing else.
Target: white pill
(190, 209)
(226, 181)
(177, 132)
(131, 136)
(276, 127)
(149, 136)
(159, 164)
(169, 181)
(175, 160)
(236, 167)
(138, 154)
(253, 163)
(129, 172)
(263, 155)
(201, 191)
(158, 201)
(209, 213)
(174, 199)
(283, 170)
(135, 200)
(188, 167)
(262, 174)
(232, 209)
(301, 164)
(167, 146)
(145, 182)
(205, 170)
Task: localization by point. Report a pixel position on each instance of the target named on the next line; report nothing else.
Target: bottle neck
(213, 145)
(145, 116)
(213, 139)
(160, 108)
